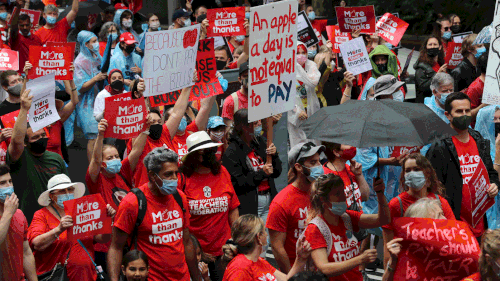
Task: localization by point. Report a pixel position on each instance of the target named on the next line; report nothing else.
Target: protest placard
(480, 201)
(391, 28)
(226, 22)
(337, 37)
(43, 110)
(170, 59)
(207, 84)
(126, 116)
(89, 215)
(491, 92)
(9, 60)
(402, 150)
(221, 41)
(47, 60)
(434, 249)
(459, 38)
(9, 119)
(355, 56)
(305, 31)
(71, 45)
(273, 48)
(135, 6)
(34, 17)
(453, 54)
(353, 18)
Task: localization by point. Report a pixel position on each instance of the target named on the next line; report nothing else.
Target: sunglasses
(446, 29)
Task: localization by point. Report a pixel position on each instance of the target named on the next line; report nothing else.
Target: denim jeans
(262, 211)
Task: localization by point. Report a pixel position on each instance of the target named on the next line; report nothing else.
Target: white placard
(272, 63)
(491, 92)
(355, 56)
(170, 59)
(43, 110)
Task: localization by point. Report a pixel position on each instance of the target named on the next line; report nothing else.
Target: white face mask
(155, 25)
(127, 23)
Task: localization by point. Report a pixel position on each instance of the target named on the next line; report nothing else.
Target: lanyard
(55, 210)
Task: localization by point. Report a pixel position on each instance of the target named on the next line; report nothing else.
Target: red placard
(207, 84)
(352, 18)
(435, 249)
(391, 28)
(226, 22)
(34, 17)
(480, 201)
(337, 37)
(47, 60)
(90, 217)
(401, 150)
(9, 60)
(135, 5)
(71, 45)
(126, 116)
(9, 119)
(453, 54)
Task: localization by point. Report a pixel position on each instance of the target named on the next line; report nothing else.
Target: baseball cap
(179, 13)
(128, 38)
(303, 150)
(215, 121)
(386, 85)
(120, 6)
(243, 67)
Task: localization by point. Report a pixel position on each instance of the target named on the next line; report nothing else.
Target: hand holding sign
(102, 126)
(492, 190)
(26, 100)
(66, 222)
(394, 248)
(110, 211)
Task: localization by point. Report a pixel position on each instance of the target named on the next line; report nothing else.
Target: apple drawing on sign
(190, 38)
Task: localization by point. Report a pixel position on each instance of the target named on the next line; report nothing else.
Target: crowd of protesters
(211, 181)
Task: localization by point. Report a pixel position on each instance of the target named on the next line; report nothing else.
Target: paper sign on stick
(43, 110)
(337, 37)
(226, 22)
(480, 201)
(271, 77)
(9, 60)
(47, 60)
(391, 28)
(491, 92)
(170, 59)
(34, 17)
(305, 31)
(352, 18)
(126, 116)
(453, 54)
(90, 217)
(355, 56)
(207, 85)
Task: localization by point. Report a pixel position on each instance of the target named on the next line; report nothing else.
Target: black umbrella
(86, 8)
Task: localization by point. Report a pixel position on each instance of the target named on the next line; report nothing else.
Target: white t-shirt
(99, 102)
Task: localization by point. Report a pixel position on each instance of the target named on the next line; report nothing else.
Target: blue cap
(180, 13)
(214, 122)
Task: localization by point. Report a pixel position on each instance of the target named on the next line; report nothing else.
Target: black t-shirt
(8, 107)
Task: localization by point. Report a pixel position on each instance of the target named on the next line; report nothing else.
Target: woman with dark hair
(213, 204)
(135, 266)
(442, 30)
(152, 25)
(430, 62)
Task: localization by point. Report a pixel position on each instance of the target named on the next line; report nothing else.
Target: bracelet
(74, 89)
(496, 164)
(389, 268)
(346, 95)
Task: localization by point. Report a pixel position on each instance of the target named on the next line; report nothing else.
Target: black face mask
(382, 67)
(432, 52)
(455, 28)
(220, 64)
(155, 131)
(117, 85)
(129, 48)
(461, 122)
(39, 146)
(497, 129)
(208, 158)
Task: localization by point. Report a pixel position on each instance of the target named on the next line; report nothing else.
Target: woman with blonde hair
(489, 261)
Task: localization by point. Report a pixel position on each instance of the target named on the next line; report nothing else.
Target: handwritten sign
(435, 249)
(453, 54)
(126, 116)
(170, 59)
(43, 110)
(226, 22)
(337, 37)
(272, 61)
(34, 17)
(391, 28)
(355, 56)
(47, 60)
(207, 85)
(480, 201)
(491, 92)
(90, 217)
(353, 18)
(305, 31)
(9, 60)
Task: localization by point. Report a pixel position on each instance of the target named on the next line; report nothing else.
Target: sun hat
(59, 182)
(198, 141)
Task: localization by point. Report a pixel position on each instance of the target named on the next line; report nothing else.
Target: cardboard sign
(9, 60)
(337, 37)
(71, 45)
(126, 116)
(435, 249)
(273, 47)
(305, 31)
(226, 22)
(391, 28)
(207, 85)
(353, 18)
(453, 54)
(34, 17)
(480, 201)
(170, 59)
(401, 150)
(90, 217)
(459, 38)
(43, 110)
(355, 56)
(491, 92)
(47, 60)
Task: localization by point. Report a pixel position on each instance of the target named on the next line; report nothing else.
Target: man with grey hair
(162, 231)
(53, 30)
(441, 87)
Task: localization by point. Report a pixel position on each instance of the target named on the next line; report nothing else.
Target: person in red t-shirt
(213, 204)
(17, 261)
(53, 30)
(288, 210)
(21, 39)
(329, 216)
(242, 254)
(475, 90)
(489, 261)
(163, 234)
(418, 180)
(228, 109)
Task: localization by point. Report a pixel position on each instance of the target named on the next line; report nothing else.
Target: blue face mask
(442, 100)
(29, 33)
(315, 172)
(187, 22)
(240, 38)
(338, 208)
(388, 45)
(247, 15)
(447, 35)
(311, 54)
(4, 192)
(168, 187)
(114, 36)
(95, 48)
(257, 131)
(51, 20)
(63, 198)
(479, 52)
(113, 166)
(4, 15)
(312, 15)
(182, 125)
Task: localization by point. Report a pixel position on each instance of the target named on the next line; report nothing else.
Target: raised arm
(202, 117)
(96, 161)
(70, 88)
(16, 146)
(346, 95)
(246, 47)
(138, 146)
(384, 214)
(179, 109)
(74, 11)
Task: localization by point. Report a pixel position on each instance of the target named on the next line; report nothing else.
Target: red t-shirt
(211, 198)
(351, 188)
(179, 141)
(11, 251)
(54, 142)
(22, 45)
(218, 154)
(243, 269)
(228, 107)
(407, 200)
(58, 33)
(79, 266)
(288, 214)
(469, 158)
(474, 277)
(343, 249)
(160, 235)
(258, 164)
(475, 92)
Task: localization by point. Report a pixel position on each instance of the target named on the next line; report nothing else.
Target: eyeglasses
(446, 29)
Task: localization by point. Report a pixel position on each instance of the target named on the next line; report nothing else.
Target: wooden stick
(269, 133)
